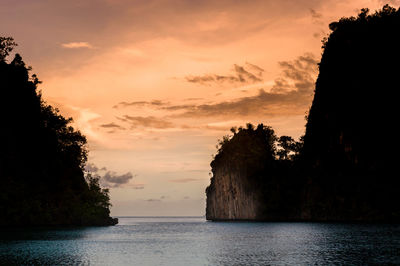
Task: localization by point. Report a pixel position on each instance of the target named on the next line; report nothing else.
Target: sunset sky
(154, 84)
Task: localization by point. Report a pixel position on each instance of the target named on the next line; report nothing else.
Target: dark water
(193, 241)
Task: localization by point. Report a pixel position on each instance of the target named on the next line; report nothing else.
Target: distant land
(345, 167)
(42, 157)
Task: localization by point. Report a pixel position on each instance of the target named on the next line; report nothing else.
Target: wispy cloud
(193, 99)
(146, 121)
(241, 75)
(111, 125)
(137, 186)
(153, 103)
(76, 45)
(162, 198)
(256, 68)
(153, 200)
(318, 19)
(315, 14)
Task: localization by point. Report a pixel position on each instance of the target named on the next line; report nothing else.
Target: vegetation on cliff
(262, 162)
(42, 157)
(346, 167)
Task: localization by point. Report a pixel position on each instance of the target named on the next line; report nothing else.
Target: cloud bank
(290, 94)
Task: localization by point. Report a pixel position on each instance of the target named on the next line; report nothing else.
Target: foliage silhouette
(7, 44)
(42, 157)
(289, 148)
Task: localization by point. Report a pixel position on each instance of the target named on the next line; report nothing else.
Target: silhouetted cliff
(346, 170)
(349, 146)
(41, 157)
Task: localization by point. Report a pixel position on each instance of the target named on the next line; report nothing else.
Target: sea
(195, 241)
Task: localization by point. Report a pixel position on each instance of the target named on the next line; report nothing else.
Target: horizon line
(160, 216)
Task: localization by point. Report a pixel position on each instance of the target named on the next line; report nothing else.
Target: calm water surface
(193, 241)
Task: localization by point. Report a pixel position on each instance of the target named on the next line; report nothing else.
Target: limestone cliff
(230, 196)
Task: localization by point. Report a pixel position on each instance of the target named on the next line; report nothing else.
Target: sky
(154, 84)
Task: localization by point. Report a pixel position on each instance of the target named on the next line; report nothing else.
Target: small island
(42, 157)
(344, 167)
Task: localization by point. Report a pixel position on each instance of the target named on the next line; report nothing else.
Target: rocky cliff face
(230, 197)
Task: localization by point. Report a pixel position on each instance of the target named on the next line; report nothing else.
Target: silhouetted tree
(286, 145)
(288, 148)
(7, 44)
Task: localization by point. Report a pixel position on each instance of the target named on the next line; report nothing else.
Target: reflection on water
(193, 241)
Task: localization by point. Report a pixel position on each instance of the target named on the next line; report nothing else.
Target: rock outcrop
(248, 182)
(347, 169)
(238, 174)
(230, 196)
